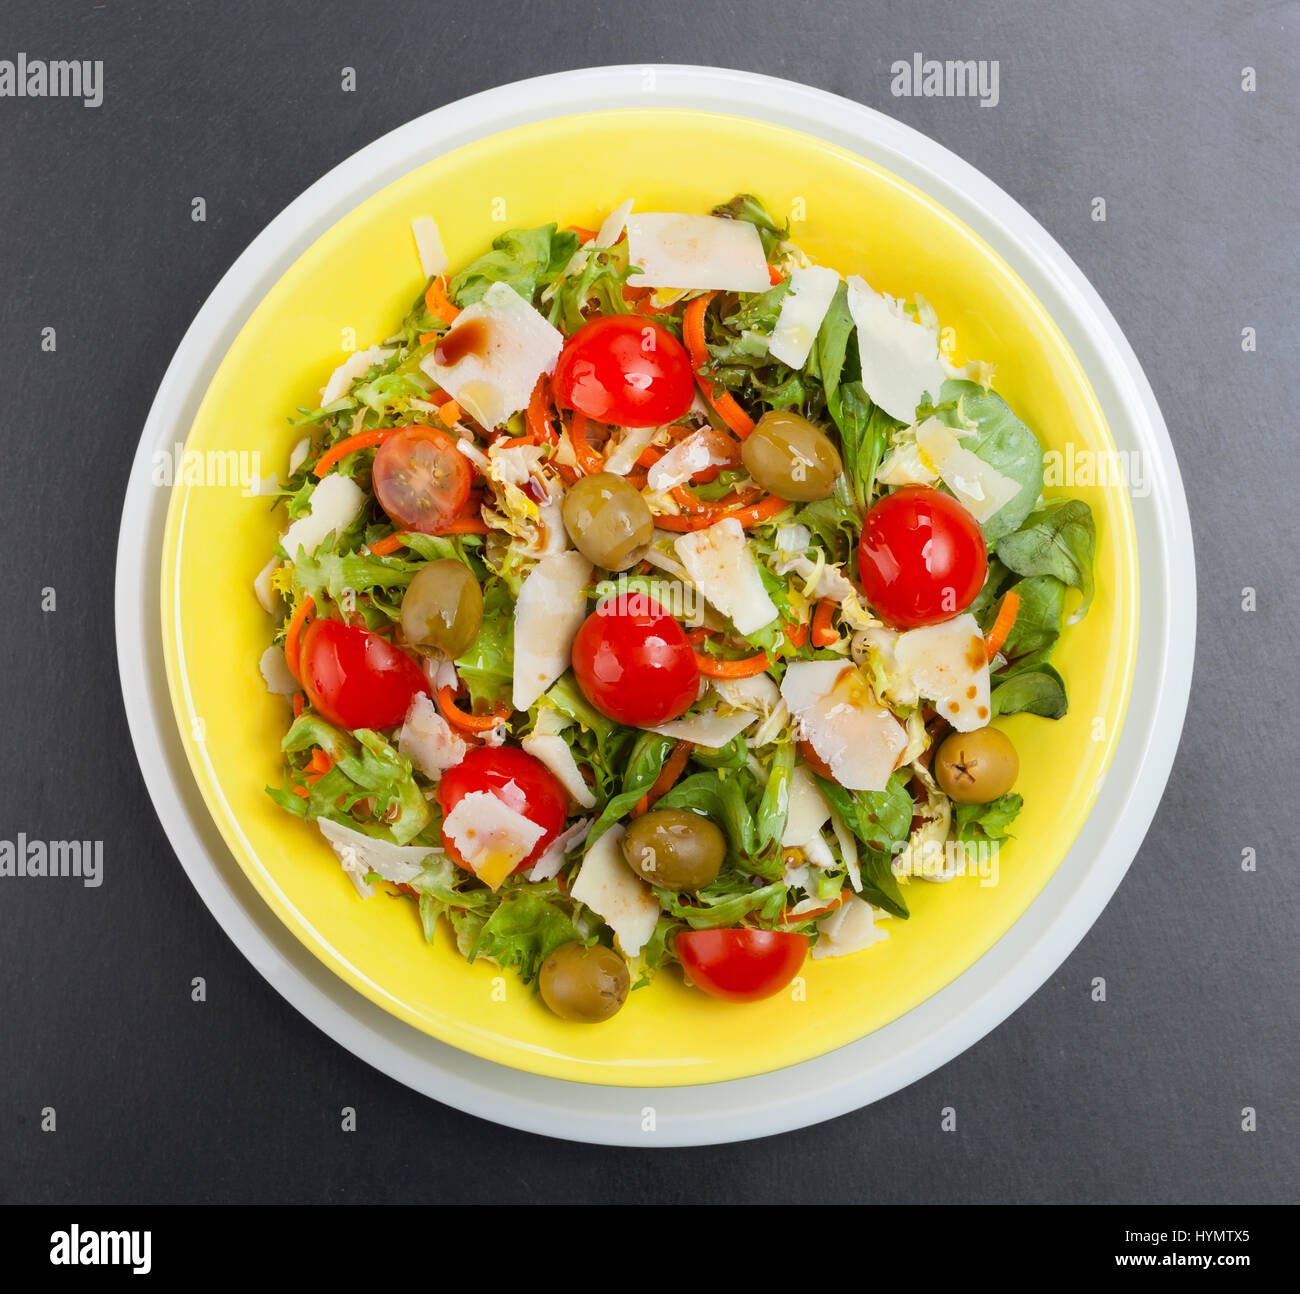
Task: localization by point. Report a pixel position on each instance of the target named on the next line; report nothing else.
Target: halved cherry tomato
(740, 965)
(814, 760)
(922, 557)
(357, 679)
(625, 370)
(634, 663)
(517, 780)
(421, 479)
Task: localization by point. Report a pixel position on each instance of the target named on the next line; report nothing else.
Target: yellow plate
(349, 290)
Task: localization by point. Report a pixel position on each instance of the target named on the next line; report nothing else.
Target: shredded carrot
(294, 633)
(649, 456)
(745, 668)
(538, 417)
(301, 791)
(299, 704)
(388, 544)
(694, 506)
(584, 235)
(318, 765)
(350, 445)
(786, 916)
(669, 774)
(438, 303)
(1002, 625)
(693, 335)
(467, 722)
(696, 636)
(449, 413)
(465, 526)
(753, 515)
(796, 635)
(774, 276)
(588, 460)
(823, 632)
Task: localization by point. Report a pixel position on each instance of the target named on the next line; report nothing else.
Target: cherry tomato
(922, 557)
(625, 370)
(357, 679)
(740, 965)
(814, 760)
(421, 479)
(633, 662)
(516, 779)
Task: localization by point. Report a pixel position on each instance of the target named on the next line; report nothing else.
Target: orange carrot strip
(752, 515)
(669, 774)
(774, 276)
(427, 337)
(299, 704)
(1002, 625)
(466, 526)
(590, 461)
(745, 668)
(388, 544)
(538, 417)
(796, 635)
(350, 445)
(449, 413)
(466, 722)
(823, 632)
(693, 335)
(585, 235)
(294, 633)
(438, 303)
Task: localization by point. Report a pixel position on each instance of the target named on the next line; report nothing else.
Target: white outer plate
(949, 1022)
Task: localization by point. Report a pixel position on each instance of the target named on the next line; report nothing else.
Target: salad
(651, 595)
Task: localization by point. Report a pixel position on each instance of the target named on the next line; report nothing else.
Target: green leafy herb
(526, 259)
(1058, 540)
(487, 666)
(975, 822)
(1037, 691)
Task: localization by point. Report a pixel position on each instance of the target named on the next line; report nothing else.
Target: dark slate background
(158, 1099)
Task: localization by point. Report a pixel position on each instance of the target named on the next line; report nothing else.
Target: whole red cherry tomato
(357, 679)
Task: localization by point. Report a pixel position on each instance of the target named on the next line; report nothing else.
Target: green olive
(608, 521)
(584, 984)
(674, 849)
(790, 457)
(976, 767)
(442, 608)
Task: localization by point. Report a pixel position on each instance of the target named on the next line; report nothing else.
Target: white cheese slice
(298, 455)
(613, 225)
(686, 252)
(360, 855)
(549, 864)
(358, 364)
(803, 308)
(708, 728)
(334, 505)
(900, 359)
(616, 894)
(263, 588)
(948, 664)
(705, 448)
(848, 849)
(428, 246)
(490, 836)
(859, 740)
(818, 852)
(549, 612)
(849, 929)
(427, 739)
(721, 565)
(275, 672)
(808, 811)
(978, 485)
(557, 755)
(495, 380)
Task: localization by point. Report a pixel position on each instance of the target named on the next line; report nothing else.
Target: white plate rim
(946, 1024)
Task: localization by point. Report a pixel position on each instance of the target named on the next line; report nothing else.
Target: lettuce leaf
(1060, 540)
(526, 259)
(487, 666)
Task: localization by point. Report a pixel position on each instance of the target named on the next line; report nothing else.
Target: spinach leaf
(1002, 441)
(774, 806)
(1038, 617)
(724, 800)
(1036, 691)
(526, 259)
(1058, 540)
(882, 821)
(643, 766)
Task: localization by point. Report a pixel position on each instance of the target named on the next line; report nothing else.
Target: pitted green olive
(675, 849)
(976, 767)
(608, 521)
(789, 456)
(583, 984)
(442, 608)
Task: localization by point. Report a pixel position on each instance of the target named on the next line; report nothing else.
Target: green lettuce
(526, 259)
